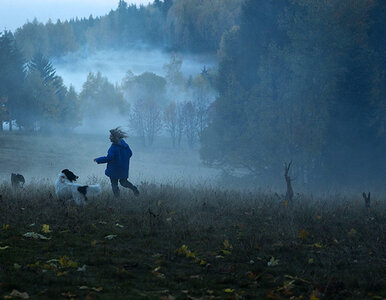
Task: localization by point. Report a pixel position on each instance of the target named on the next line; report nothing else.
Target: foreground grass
(190, 243)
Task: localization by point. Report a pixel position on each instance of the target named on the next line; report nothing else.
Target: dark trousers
(124, 182)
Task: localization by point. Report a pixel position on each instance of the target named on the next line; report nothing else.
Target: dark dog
(17, 180)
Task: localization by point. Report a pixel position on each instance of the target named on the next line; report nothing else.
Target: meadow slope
(190, 242)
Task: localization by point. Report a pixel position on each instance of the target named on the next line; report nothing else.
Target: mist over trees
(297, 80)
(30, 92)
(302, 81)
(183, 25)
(35, 99)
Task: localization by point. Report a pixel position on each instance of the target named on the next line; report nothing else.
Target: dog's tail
(93, 190)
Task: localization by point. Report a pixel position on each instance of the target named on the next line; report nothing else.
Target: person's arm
(106, 159)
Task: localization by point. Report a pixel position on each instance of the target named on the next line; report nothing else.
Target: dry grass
(327, 248)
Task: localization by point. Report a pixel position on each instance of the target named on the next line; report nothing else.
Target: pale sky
(14, 13)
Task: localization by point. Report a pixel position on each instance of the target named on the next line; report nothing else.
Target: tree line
(297, 80)
(34, 98)
(303, 80)
(175, 25)
(31, 94)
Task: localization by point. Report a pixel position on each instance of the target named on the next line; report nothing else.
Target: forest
(296, 80)
(298, 89)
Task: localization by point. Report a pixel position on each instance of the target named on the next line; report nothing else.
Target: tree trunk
(367, 199)
(290, 193)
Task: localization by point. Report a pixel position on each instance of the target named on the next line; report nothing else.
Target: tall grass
(332, 246)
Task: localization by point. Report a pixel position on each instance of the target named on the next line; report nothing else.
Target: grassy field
(190, 242)
(44, 156)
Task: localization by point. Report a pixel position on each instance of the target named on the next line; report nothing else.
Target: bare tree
(180, 122)
(290, 193)
(170, 119)
(202, 92)
(146, 120)
(191, 123)
(201, 107)
(367, 199)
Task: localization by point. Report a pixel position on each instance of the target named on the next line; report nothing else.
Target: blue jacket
(118, 160)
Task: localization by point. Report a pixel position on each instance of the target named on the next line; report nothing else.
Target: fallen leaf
(68, 295)
(227, 245)
(83, 287)
(158, 274)
(278, 244)
(194, 298)
(16, 266)
(35, 265)
(273, 262)
(46, 228)
(352, 232)
(17, 294)
(82, 269)
(65, 262)
(90, 296)
(272, 295)
(119, 225)
(170, 297)
(5, 226)
(314, 295)
(5, 247)
(110, 236)
(303, 234)
(35, 236)
(229, 290)
(156, 269)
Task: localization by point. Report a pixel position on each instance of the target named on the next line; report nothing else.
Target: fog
(114, 64)
(246, 132)
(42, 157)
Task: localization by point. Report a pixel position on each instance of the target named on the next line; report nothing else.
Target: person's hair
(117, 134)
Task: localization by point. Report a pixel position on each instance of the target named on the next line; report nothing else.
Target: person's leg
(128, 184)
(114, 186)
